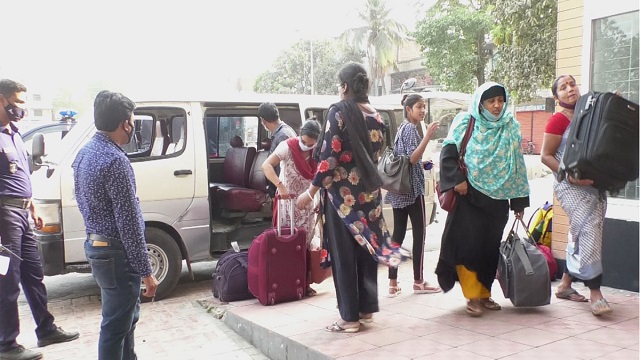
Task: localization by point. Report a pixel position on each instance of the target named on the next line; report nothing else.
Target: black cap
(495, 90)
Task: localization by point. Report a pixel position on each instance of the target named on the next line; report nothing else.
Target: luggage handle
(526, 229)
(279, 200)
(580, 134)
(243, 262)
(520, 250)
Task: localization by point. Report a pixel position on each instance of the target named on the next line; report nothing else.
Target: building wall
(568, 61)
(532, 124)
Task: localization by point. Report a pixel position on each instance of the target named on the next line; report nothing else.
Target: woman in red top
(585, 206)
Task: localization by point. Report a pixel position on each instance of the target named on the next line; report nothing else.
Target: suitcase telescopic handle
(290, 199)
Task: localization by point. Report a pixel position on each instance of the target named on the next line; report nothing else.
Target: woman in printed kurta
(297, 168)
(496, 180)
(585, 206)
(357, 235)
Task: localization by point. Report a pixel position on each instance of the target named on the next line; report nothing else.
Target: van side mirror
(37, 151)
(408, 84)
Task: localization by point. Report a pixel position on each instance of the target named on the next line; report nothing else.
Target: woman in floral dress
(355, 230)
(297, 169)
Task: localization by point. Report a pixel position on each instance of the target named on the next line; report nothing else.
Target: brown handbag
(448, 198)
(316, 258)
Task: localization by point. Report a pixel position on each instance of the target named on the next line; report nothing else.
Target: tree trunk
(482, 60)
(384, 87)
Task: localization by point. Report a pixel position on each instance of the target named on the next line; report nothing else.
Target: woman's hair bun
(404, 97)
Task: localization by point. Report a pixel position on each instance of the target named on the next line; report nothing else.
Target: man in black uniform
(17, 236)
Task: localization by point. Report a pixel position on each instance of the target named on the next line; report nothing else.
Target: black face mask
(15, 113)
(130, 133)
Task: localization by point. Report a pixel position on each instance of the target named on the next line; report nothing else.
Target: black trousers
(17, 236)
(355, 272)
(416, 213)
(592, 284)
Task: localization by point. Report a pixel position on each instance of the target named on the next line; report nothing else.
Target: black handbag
(395, 171)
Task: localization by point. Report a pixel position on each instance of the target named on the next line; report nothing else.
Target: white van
(198, 175)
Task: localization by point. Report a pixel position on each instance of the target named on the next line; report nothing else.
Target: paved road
(177, 327)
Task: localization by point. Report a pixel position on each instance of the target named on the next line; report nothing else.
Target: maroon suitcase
(277, 270)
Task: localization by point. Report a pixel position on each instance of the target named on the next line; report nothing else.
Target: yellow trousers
(471, 287)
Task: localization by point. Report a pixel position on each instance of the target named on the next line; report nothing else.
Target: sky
(141, 46)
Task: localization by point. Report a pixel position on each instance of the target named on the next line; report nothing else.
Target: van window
(220, 130)
(158, 133)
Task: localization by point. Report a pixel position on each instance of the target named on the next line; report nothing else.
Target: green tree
(454, 38)
(291, 71)
(380, 36)
(525, 35)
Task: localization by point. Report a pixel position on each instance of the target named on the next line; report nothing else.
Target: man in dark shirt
(17, 235)
(105, 189)
(270, 118)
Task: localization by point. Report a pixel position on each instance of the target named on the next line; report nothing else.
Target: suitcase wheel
(298, 248)
(298, 282)
(273, 251)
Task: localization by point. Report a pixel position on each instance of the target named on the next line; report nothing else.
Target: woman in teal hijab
(496, 181)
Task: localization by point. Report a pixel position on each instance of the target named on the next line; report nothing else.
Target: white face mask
(305, 147)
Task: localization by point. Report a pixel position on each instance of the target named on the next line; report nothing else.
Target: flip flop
(570, 294)
(474, 308)
(336, 328)
(489, 304)
(310, 292)
(600, 307)
(366, 318)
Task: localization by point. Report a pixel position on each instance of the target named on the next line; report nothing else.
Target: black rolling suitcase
(602, 144)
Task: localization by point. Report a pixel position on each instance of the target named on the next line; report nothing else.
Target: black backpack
(230, 277)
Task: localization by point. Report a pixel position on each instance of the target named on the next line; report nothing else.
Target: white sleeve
(282, 151)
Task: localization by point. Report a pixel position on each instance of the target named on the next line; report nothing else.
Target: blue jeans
(120, 288)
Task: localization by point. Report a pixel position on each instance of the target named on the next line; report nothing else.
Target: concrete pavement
(178, 327)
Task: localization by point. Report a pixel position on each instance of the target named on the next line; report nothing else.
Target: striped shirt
(407, 140)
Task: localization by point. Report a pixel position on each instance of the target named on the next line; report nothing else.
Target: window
(37, 97)
(615, 62)
(220, 130)
(158, 132)
(614, 55)
(37, 112)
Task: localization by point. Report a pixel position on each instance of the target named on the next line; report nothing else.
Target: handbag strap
(395, 141)
(320, 222)
(526, 229)
(518, 247)
(463, 145)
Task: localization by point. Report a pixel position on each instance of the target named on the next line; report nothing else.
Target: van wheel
(166, 260)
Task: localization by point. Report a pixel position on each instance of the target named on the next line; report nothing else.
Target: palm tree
(380, 36)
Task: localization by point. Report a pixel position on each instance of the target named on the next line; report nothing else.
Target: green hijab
(494, 159)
